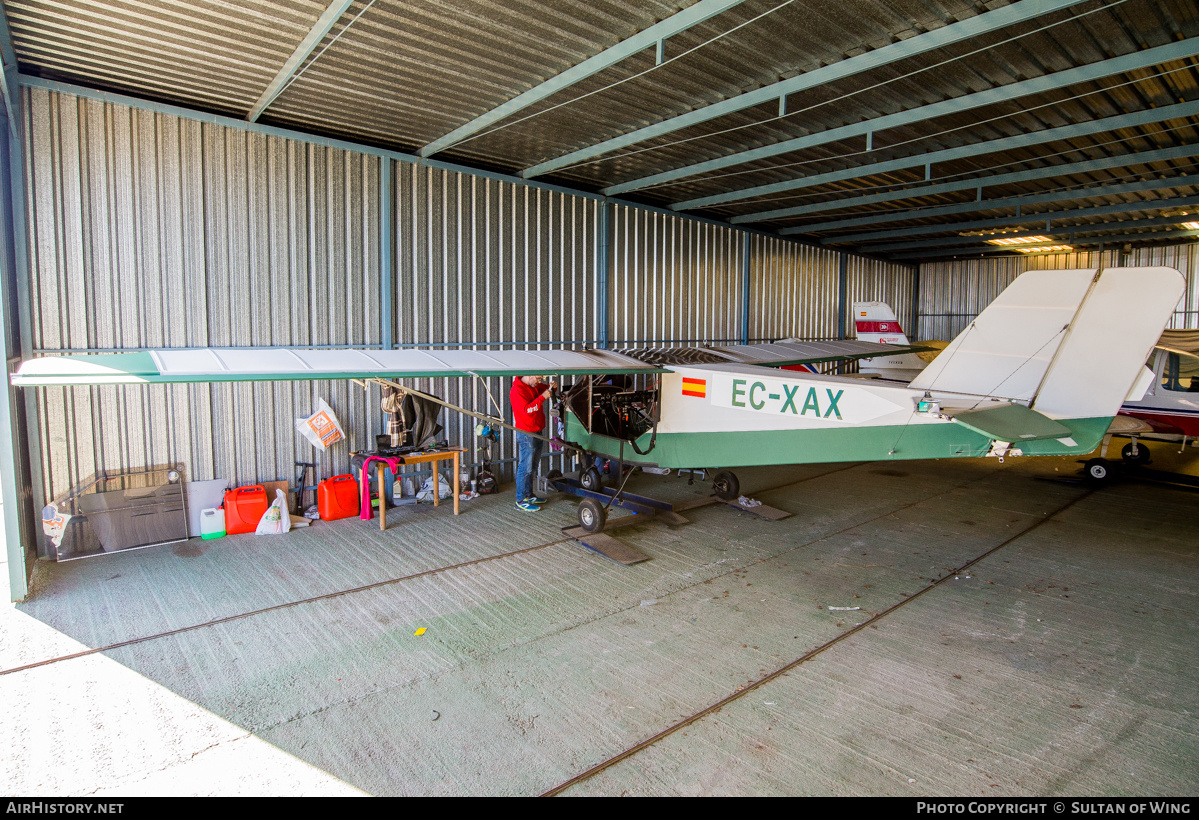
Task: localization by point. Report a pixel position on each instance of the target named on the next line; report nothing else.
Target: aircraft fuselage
(732, 415)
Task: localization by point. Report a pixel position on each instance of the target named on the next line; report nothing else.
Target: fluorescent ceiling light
(1019, 240)
(1045, 248)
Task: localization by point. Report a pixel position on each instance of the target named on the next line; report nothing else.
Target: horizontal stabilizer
(1011, 423)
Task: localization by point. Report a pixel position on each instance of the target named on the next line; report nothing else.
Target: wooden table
(449, 454)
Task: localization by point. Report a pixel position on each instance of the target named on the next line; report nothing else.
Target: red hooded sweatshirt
(526, 405)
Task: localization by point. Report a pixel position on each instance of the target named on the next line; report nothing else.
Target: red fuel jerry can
(337, 497)
(244, 508)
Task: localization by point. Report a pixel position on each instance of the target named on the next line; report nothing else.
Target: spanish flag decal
(695, 387)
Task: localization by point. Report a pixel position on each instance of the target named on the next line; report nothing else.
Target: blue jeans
(528, 451)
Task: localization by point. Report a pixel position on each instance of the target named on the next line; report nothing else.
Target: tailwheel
(1098, 471)
(725, 486)
(592, 515)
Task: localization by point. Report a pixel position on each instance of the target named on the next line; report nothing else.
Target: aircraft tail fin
(1068, 343)
(876, 322)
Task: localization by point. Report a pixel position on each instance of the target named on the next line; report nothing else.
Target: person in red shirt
(528, 397)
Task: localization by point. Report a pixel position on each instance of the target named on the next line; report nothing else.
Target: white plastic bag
(426, 489)
(321, 428)
(276, 520)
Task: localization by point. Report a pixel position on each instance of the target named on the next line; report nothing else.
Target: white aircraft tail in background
(876, 322)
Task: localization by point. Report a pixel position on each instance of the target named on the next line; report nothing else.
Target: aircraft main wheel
(1141, 456)
(1098, 471)
(591, 480)
(592, 515)
(726, 486)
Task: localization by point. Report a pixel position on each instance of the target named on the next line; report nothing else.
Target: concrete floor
(1062, 663)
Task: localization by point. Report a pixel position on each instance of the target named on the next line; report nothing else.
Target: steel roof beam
(1064, 231)
(939, 38)
(652, 36)
(993, 204)
(978, 183)
(1106, 68)
(1036, 220)
(317, 33)
(1152, 115)
(1100, 240)
(8, 71)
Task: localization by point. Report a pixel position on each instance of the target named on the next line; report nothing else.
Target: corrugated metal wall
(875, 281)
(795, 290)
(151, 230)
(484, 262)
(953, 293)
(1185, 258)
(674, 280)
(148, 230)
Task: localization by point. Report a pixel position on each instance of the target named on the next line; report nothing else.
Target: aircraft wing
(211, 364)
(771, 354)
(1185, 342)
(232, 364)
(192, 365)
(1123, 425)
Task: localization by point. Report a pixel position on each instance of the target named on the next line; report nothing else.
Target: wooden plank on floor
(607, 546)
(696, 504)
(672, 519)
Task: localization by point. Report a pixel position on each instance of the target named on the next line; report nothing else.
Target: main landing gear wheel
(1098, 471)
(1141, 456)
(592, 515)
(591, 480)
(726, 486)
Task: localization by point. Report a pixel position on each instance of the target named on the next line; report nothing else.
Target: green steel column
(915, 303)
(842, 295)
(745, 289)
(21, 489)
(385, 283)
(603, 264)
(9, 399)
(385, 287)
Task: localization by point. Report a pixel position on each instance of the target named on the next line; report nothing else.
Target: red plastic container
(244, 508)
(337, 497)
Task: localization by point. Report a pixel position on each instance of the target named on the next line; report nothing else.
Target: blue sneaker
(535, 500)
(527, 506)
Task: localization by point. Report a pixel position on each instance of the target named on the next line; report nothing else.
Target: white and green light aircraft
(1041, 371)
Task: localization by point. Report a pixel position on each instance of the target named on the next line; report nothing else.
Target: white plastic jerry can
(212, 522)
